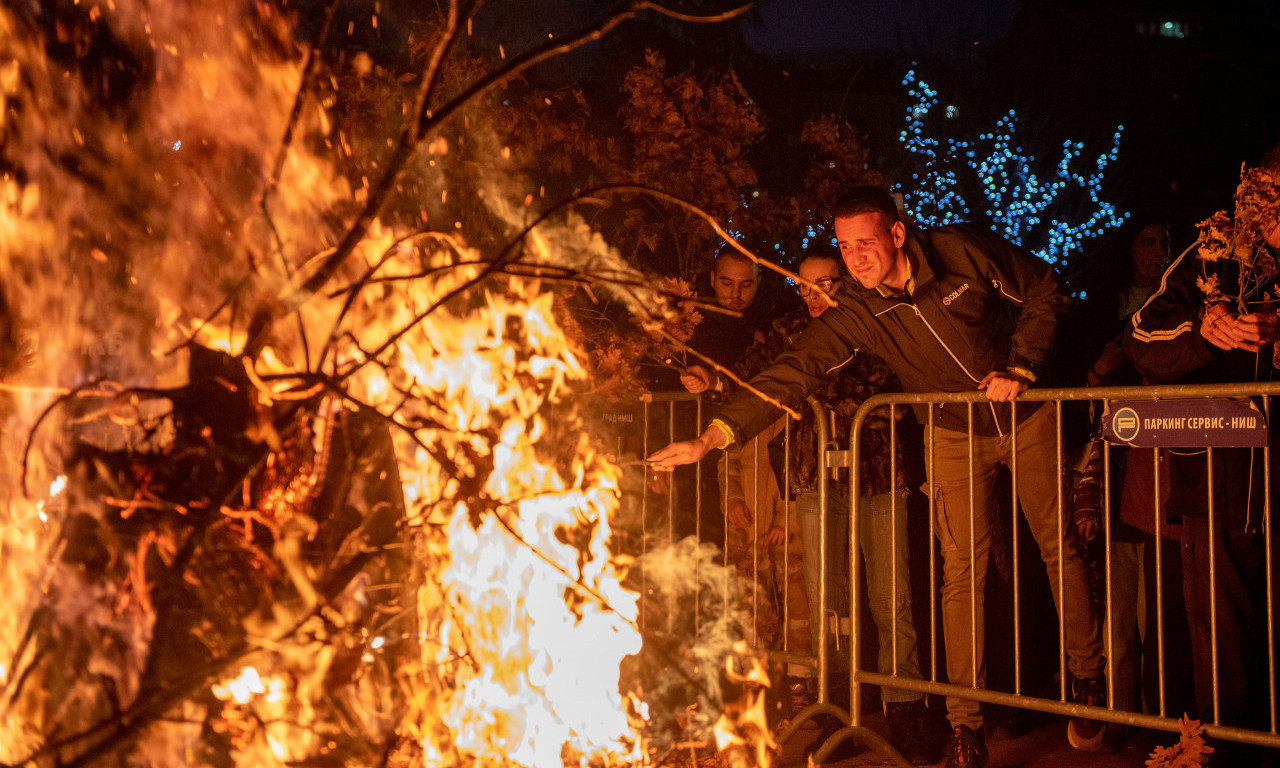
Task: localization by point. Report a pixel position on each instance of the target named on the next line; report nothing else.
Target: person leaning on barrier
(798, 465)
(1179, 336)
(953, 309)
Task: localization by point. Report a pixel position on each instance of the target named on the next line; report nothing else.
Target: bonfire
(294, 468)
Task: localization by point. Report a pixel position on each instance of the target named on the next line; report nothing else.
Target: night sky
(1196, 100)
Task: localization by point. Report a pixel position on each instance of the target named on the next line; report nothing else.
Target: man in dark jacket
(1181, 335)
(953, 310)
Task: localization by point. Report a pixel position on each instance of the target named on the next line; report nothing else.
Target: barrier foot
(865, 736)
(807, 714)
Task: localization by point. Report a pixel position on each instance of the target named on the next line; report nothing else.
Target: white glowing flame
(242, 688)
(542, 675)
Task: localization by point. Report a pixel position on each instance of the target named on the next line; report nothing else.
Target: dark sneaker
(906, 730)
(1088, 735)
(968, 748)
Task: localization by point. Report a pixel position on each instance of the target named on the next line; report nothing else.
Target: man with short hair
(734, 279)
(724, 338)
(951, 309)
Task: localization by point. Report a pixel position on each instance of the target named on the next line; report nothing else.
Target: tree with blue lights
(1051, 210)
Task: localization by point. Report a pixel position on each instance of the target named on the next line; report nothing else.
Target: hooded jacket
(979, 304)
(1165, 345)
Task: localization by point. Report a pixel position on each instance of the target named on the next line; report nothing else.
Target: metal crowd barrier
(1018, 698)
(670, 416)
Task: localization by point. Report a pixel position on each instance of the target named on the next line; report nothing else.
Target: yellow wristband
(1023, 372)
(728, 433)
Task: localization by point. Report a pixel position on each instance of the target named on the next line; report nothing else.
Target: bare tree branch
(379, 193)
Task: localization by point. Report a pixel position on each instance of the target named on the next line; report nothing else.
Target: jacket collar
(925, 267)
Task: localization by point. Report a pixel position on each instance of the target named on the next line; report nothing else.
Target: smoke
(691, 619)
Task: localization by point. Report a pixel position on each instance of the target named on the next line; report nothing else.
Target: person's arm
(1030, 284)
(688, 451)
(1109, 361)
(698, 379)
(1164, 338)
(824, 348)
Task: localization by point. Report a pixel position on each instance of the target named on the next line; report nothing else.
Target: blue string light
(1016, 194)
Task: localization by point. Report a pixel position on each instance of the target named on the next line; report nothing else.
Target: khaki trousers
(964, 537)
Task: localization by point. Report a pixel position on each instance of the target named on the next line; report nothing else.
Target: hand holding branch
(1250, 332)
(696, 379)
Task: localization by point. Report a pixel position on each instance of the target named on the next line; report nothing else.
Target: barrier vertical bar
(933, 560)
(671, 510)
(724, 513)
(1062, 547)
(697, 522)
(644, 514)
(1266, 532)
(855, 558)
(1213, 590)
(893, 531)
(784, 495)
(754, 538)
(822, 436)
(973, 568)
(1159, 516)
(1109, 584)
(1017, 592)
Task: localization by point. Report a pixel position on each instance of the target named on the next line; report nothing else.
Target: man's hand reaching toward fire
(688, 451)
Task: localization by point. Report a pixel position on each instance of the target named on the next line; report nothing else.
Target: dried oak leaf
(1191, 751)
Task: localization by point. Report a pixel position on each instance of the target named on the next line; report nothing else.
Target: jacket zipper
(944, 344)
(994, 418)
(1000, 287)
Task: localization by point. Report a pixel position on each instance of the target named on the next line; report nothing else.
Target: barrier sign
(1200, 423)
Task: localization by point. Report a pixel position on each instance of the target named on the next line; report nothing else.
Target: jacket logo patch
(950, 297)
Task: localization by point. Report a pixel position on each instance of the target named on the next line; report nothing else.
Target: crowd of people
(956, 309)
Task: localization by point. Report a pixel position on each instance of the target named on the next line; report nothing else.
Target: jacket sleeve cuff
(726, 429)
(1023, 371)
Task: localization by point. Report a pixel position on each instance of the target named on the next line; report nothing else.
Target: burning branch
(430, 446)
(426, 120)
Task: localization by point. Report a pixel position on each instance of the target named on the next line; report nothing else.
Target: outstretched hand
(688, 451)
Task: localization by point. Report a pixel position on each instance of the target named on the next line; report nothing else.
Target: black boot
(906, 730)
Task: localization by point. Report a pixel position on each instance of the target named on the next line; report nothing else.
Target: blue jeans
(888, 591)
